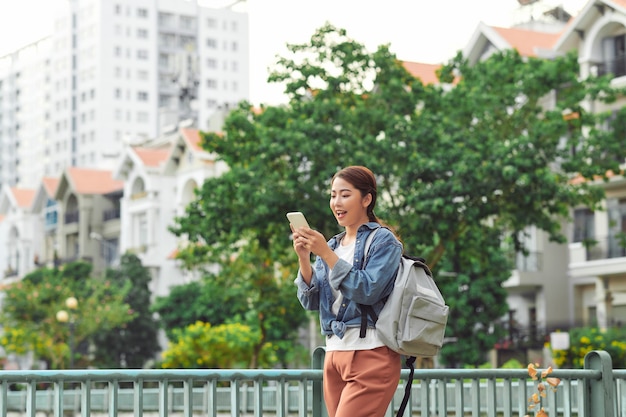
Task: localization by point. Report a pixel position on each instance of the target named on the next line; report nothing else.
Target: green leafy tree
(209, 300)
(135, 343)
(30, 307)
(246, 291)
(481, 154)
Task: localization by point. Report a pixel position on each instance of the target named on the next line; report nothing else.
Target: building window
(142, 96)
(141, 230)
(142, 33)
(211, 43)
(212, 84)
(143, 117)
(583, 225)
(211, 23)
(141, 12)
(142, 54)
(211, 63)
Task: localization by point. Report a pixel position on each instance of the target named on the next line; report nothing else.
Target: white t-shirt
(351, 339)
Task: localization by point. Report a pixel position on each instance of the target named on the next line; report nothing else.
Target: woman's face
(347, 204)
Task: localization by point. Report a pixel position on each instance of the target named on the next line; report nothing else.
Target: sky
(416, 30)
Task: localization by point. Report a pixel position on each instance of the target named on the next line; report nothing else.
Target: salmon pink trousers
(360, 383)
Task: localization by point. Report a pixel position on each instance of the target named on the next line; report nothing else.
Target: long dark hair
(363, 179)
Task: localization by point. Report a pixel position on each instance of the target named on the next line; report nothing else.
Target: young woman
(361, 374)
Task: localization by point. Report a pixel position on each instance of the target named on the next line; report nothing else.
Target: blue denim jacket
(369, 286)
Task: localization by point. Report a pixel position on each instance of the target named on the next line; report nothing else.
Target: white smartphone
(297, 219)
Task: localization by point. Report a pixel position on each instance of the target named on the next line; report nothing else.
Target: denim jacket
(369, 286)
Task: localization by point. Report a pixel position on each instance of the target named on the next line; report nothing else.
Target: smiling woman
(25, 21)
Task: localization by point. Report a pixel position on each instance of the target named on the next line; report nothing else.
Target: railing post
(317, 362)
(600, 393)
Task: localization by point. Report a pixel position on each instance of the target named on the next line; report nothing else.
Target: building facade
(116, 72)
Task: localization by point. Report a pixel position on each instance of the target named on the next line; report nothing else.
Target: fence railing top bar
(500, 373)
(82, 375)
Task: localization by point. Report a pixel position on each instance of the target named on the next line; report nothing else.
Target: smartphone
(297, 219)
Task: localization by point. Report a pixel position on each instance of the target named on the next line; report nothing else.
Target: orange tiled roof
(526, 41)
(1, 218)
(50, 185)
(173, 254)
(620, 2)
(579, 179)
(93, 181)
(192, 136)
(23, 196)
(425, 72)
(152, 157)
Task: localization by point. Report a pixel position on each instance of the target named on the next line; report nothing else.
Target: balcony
(71, 217)
(606, 248)
(111, 214)
(616, 66)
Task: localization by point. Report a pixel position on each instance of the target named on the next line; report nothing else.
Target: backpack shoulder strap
(367, 310)
(368, 243)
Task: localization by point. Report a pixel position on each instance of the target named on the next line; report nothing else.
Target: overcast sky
(417, 30)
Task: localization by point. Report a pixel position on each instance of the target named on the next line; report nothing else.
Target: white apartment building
(115, 72)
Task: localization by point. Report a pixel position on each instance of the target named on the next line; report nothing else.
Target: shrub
(585, 339)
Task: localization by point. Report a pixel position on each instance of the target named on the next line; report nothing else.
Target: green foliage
(585, 339)
(512, 364)
(30, 307)
(483, 157)
(134, 343)
(249, 290)
(477, 301)
(200, 346)
(210, 300)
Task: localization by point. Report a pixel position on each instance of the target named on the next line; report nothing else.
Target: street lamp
(64, 316)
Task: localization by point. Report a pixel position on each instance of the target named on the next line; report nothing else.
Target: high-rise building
(112, 72)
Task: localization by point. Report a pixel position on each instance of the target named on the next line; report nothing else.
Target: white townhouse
(597, 252)
(19, 222)
(583, 283)
(88, 225)
(160, 178)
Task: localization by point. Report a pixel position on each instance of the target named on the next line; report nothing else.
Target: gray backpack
(413, 320)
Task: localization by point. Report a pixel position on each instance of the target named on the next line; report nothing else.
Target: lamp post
(64, 316)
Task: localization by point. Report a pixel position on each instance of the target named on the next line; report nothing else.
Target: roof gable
(87, 181)
(527, 42)
(44, 192)
(590, 13)
(23, 196)
(15, 197)
(192, 138)
(152, 157)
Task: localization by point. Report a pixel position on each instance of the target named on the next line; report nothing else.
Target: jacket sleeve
(309, 295)
(374, 282)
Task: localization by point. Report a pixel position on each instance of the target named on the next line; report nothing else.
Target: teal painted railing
(598, 390)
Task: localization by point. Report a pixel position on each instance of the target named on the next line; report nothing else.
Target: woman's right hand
(300, 244)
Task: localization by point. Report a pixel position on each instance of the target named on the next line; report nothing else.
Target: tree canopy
(30, 307)
(489, 151)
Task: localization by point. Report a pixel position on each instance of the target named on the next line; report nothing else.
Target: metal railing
(595, 391)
